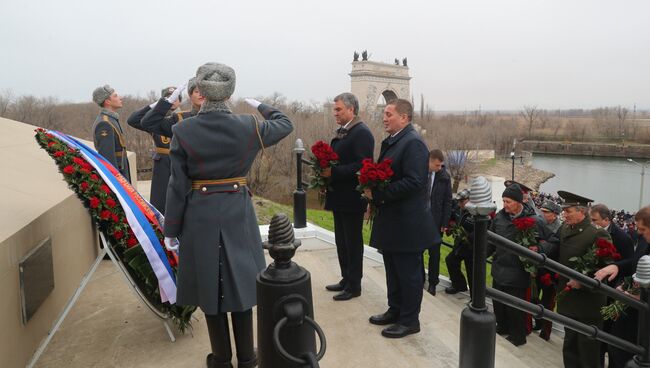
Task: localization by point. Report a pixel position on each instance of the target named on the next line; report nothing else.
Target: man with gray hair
(353, 143)
(108, 135)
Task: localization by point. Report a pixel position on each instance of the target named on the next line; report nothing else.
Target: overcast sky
(498, 54)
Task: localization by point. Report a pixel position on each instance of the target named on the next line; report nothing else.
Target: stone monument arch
(370, 80)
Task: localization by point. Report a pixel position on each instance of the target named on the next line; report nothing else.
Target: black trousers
(349, 247)
(580, 351)
(625, 327)
(434, 264)
(456, 276)
(404, 282)
(510, 321)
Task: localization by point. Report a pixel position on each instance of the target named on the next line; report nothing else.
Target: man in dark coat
(463, 248)
(209, 207)
(508, 272)
(161, 164)
(402, 227)
(108, 136)
(439, 193)
(353, 143)
(576, 236)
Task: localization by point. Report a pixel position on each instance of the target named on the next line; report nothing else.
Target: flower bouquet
(132, 227)
(324, 157)
(374, 176)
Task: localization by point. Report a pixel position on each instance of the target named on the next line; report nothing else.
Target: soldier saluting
(108, 135)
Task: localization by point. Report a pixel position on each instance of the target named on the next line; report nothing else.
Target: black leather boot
(242, 325)
(219, 332)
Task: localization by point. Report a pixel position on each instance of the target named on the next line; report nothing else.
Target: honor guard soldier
(108, 136)
(171, 99)
(577, 235)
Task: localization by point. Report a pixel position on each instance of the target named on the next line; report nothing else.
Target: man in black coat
(353, 143)
(402, 227)
(439, 193)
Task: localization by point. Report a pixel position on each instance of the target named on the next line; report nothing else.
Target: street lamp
(512, 157)
(642, 179)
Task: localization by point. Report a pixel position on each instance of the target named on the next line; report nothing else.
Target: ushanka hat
(513, 192)
(101, 94)
(191, 85)
(215, 81)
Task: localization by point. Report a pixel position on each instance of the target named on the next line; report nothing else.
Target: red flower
(94, 202)
(131, 242)
(110, 203)
(556, 276)
(49, 135)
(546, 279)
(50, 144)
(105, 214)
(87, 166)
(59, 154)
(71, 150)
(84, 186)
(524, 223)
(94, 177)
(323, 163)
(69, 169)
(84, 171)
(118, 234)
(115, 218)
(106, 189)
(79, 161)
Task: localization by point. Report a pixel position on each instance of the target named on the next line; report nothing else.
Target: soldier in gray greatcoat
(108, 136)
(209, 209)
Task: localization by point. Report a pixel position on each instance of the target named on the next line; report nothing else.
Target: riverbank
(591, 149)
(525, 174)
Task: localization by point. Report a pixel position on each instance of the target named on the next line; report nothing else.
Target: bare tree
(530, 114)
(621, 115)
(6, 99)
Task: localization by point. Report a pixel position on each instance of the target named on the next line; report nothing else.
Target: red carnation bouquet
(324, 157)
(374, 176)
(527, 237)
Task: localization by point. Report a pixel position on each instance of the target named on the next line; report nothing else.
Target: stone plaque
(36, 278)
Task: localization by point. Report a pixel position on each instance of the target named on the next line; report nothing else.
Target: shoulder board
(105, 118)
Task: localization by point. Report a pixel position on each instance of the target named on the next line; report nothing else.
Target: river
(612, 181)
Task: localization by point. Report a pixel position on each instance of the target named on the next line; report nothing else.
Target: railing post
(477, 323)
(299, 195)
(642, 276)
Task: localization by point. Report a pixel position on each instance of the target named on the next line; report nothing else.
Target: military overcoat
(220, 245)
(109, 141)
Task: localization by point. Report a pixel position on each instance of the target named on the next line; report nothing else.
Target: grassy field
(265, 210)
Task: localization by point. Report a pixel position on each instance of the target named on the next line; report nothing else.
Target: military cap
(101, 94)
(551, 206)
(524, 188)
(571, 200)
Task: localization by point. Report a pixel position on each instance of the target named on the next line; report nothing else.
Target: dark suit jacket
(623, 244)
(352, 149)
(627, 266)
(403, 222)
(441, 199)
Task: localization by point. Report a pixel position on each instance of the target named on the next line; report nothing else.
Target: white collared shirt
(399, 131)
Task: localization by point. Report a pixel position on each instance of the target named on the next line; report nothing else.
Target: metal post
(642, 276)
(512, 157)
(641, 191)
(477, 323)
(299, 195)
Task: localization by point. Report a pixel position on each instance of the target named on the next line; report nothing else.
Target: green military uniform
(109, 141)
(581, 304)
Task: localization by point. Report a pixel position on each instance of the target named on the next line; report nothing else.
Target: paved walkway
(109, 327)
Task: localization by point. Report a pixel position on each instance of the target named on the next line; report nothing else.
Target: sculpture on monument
(356, 56)
(396, 61)
(364, 55)
(404, 62)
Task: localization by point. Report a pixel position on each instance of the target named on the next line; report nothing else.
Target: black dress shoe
(212, 362)
(340, 286)
(431, 290)
(453, 290)
(385, 318)
(396, 331)
(516, 342)
(346, 295)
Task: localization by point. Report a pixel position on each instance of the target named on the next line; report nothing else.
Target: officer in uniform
(171, 99)
(157, 120)
(209, 207)
(108, 136)
(576, 237)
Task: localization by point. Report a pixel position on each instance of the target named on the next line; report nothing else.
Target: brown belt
(203, 184)
(163, 151)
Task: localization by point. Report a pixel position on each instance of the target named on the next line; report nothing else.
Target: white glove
(171, 244)
(253, 102)
(153, 105)
(177, 92)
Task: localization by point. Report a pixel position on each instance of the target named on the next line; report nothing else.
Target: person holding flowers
(580, 243)
(401, 229)
(352, 144)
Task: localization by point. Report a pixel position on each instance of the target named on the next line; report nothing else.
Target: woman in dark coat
(209, 209)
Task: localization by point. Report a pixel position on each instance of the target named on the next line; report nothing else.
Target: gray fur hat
(215, 81)
(101, 94)
(191, 85)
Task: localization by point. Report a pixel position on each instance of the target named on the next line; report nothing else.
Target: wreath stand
(84, 281)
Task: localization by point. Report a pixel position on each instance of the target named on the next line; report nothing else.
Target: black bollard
(285, 313)
(477, 323)
(299, 195)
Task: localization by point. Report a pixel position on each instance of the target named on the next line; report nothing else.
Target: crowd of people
(202, 157)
